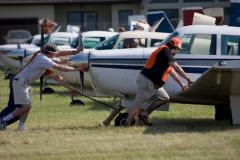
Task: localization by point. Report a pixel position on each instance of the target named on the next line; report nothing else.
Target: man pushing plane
(42, 61)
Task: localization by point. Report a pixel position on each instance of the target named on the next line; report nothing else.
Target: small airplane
(34, 42)
(116, 46)
(210, 55)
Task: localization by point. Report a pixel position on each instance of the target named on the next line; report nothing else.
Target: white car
(17, 36)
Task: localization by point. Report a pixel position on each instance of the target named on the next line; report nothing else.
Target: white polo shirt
(36, 68)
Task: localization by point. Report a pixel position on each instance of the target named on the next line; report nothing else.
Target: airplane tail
(156, 21)
(198, 15)
(159, 22)
(234, 13)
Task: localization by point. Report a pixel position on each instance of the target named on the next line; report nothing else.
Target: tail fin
(159, 21)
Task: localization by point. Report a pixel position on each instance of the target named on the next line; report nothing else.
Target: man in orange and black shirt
(153, 76)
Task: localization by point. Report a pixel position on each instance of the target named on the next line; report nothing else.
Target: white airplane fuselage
(114, 72)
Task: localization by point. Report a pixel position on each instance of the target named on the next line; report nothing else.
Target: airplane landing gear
(48, 90)
(223, 112)
(121, 119)
(76, 102)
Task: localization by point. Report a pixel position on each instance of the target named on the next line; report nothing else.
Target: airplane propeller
(81, 80)
(22, 57)
(81, 73)
(80, 45)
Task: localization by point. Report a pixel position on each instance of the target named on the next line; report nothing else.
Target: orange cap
(176, 42)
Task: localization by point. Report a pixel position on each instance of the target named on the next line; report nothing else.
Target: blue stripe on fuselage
(137, 64)
(131, 67)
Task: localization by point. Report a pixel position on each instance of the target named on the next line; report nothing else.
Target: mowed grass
(57, 131)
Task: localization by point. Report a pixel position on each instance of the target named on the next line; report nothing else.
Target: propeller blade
(81, 80)
(42, 44)
(41, 87)
(25, 53)
(80, 42)
(80, 45)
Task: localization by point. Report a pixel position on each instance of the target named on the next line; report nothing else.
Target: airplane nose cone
(79, 59)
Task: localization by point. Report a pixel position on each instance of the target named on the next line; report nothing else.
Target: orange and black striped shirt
(157, 66)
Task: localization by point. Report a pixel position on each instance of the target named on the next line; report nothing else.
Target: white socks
(20, 126)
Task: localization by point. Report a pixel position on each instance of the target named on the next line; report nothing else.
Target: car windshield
(18, 35)
(88, 42)
(107, 44)
(60, 40)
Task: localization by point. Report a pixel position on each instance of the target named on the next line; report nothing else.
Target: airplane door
(115, 71)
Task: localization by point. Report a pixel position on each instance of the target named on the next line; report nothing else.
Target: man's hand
(185, 87)
(80, 68)
(78, 50)
(190, 82)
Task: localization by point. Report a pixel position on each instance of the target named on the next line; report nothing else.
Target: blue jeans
(11, 106)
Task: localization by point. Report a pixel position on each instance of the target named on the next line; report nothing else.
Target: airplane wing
(215, 86)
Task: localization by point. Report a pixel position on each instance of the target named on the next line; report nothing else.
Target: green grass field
(54, 130)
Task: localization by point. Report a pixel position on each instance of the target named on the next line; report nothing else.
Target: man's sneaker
(103, 124)
(145, 120)
(20, 129)
(3, 125)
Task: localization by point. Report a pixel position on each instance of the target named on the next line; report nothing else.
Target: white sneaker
(20, 129)
(101, 124)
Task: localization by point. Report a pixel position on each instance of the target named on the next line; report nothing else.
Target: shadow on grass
(71, 128)
(92, 105)
(188, 125)
(161, 126)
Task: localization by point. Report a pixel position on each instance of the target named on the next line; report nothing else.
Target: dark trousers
(10, 106)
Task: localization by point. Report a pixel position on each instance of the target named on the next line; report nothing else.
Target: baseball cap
(50, 48)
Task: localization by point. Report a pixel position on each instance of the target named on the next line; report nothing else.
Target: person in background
(121, 29)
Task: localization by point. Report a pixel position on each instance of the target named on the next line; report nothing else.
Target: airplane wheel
(223, 112)
(121, 119)
(48, 91)
(77, 102)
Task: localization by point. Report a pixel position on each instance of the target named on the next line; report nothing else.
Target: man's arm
(63, 82)
(176, 78)
(66, 68)
(181, 72)
(66, 53)
(59, 61)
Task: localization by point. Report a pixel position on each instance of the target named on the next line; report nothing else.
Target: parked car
(17, 36)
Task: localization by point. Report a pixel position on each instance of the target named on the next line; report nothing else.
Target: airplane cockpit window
(199, 44)
(107, 44)
(156, 42)
(131, 43)
(173, 34)
(61, 40)
(230, 45)
(90, 42)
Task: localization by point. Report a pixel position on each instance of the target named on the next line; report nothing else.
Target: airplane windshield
(173, 34)
(107, 44)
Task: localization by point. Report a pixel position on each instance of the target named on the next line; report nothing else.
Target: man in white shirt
(21, 84)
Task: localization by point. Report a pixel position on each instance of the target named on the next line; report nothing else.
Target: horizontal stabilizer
(215, 86)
